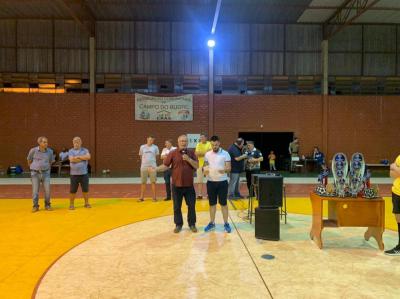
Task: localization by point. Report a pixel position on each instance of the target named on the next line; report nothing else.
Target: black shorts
(217, 190)
(396, 203)
(83, 180)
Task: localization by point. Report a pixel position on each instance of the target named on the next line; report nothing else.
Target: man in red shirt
(183, 163)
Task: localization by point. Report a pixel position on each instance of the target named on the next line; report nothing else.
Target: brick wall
(24, 117)
(366, 124)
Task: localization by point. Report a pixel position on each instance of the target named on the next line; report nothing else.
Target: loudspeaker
(267, 224)
(270, 191)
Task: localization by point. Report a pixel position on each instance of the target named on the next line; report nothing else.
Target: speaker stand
(250, 210)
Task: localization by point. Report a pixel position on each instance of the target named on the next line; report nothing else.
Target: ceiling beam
(216, 15)
(81, 13)
(343, 18)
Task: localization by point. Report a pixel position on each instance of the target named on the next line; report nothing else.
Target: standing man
(167, 174)
(253, 166)
(294, 153)
(183, 163)
(148, 153)
(237, 162)
(201, 149)
(395, 174)
(40, 159)
(217, 163)
(78, 161)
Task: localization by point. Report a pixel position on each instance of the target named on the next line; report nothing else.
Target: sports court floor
(124, 249)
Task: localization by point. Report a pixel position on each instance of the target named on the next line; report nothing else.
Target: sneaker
(35, 209)
(394, 251)
(177, 229)
(227, 228)
(140, 200)
(166, 199)
(72, 208)
(49, 208)
(193, 228)
(209, 227)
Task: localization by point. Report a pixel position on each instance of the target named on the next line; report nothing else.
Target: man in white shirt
(148, 153)
(167, 174)
(217, 163)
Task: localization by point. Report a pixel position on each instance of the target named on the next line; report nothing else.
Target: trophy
(339, 170)
(356, 174)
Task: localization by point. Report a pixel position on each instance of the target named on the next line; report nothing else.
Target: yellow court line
(31, 242)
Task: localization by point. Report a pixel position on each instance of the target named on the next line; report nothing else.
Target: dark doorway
(275, 141)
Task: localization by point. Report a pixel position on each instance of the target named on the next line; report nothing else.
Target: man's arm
(197, 151)
(30, 158)
(228, 167)
(74, 159)
(85, 157)
(167, 161)
(192, 162)
(394, 171)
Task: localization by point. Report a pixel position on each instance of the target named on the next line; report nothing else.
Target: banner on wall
(154, 108)
(193, 139)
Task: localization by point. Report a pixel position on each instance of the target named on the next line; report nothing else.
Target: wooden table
(348, 211)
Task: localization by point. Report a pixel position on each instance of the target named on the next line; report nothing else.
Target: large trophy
(353, 183)
(356, 174)
(339, 170)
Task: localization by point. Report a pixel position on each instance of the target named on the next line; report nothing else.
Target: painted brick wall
(355, 123)
(24, 117)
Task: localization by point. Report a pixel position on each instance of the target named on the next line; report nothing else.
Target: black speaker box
(267, 224)
(270, 191)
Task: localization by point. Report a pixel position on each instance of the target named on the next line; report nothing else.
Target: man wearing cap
(40, 159)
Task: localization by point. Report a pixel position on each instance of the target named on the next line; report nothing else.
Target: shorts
(144, 174)
(217, 190)
(77, 180)
(200, 175)
(396, 203)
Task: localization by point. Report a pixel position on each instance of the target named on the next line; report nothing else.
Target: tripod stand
(254, 189)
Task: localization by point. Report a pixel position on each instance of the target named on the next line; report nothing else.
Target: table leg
(315, 235)
(376, 233)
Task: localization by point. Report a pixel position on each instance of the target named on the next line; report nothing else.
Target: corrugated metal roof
(384, 11)
(232, 11)
(32, 9)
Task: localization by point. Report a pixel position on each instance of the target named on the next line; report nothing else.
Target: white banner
(164, 108)
(193, 139)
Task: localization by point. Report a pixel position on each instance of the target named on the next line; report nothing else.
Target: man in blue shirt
(237, 167)
(78, 158)
(40, 159)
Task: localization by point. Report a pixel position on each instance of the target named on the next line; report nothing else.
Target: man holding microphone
(183, 163)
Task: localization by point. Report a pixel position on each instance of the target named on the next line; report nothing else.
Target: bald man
(78, 158)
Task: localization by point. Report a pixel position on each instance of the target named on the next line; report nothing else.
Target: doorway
(275, 141)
